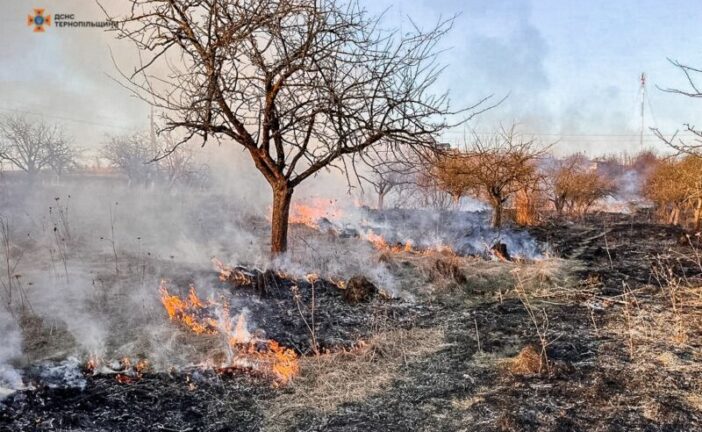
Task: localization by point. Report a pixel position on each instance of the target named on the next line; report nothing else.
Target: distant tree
(644, 162)
(386, 172)
(665, 187)
(675, 185)
(588, 187)
(178, 165)
(446, 172)
(149, 159)
(572, 184)
(529, 202)
(62, 157)
(497, 167)
(383, 182)
(132, 155)
(299, 85)
(34, 146)
(559, 179)
(691, 168)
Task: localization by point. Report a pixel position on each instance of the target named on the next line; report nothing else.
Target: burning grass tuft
(241, 349)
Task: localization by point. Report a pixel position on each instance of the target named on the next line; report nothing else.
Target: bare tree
(691, 146)
(430, 193)
(62, 157)
(558, 180)
(388, 172)
(34, 146)
(665, 187)
(675, 185)
(446, 172)
(179, 167)
(299, 84)
(132, 154)
(529, 202)
(588, 187)
(140, 156)
(498, 166)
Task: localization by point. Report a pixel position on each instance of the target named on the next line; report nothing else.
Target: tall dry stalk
(12, 289)
(540, 320)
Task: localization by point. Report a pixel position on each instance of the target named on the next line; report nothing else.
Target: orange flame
(310, 213)
(381, 244)
(262, 355)
(185, 310)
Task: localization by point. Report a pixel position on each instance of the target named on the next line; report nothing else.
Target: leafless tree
(140, 156)
(131, 154)
(387, 172)
(299, 84)
(588, 187)
(34, 146)
(675, 185)
(497, 166)
(179, 166)
(572, 184)
(692, 146)
(446, 172)
(559, 180)
(62, 157)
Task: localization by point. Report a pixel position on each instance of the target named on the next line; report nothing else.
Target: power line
(64, 118)
(575, 135)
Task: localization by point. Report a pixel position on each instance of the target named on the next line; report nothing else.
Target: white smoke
(10, 351)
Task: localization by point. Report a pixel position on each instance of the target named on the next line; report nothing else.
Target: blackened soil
(178, 402)
(596, 380)
(617, 249)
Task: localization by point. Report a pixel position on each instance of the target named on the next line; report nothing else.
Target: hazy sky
(570, 68)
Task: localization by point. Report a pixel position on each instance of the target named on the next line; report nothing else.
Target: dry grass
(527, 362)
(330, 380)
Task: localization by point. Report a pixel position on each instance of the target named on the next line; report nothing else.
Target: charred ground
(617, 307)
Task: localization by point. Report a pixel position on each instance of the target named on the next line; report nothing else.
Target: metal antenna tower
(642, 91)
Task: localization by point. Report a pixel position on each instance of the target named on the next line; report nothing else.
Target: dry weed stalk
(310, 324)
(676, 289)
(477, 334)
(627, 315)
(61, 233)
(11, 282)
(539, 318)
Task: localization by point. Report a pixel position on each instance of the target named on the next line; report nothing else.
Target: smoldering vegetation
(83, 260)
(84, 257)
(369, 307)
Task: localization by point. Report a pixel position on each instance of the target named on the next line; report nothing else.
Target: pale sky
(571, 68)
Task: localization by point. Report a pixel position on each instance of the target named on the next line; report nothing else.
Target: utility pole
(643, 100)
(152, 128)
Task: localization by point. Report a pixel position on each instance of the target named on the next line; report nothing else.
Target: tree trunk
(282, 196)
(381, 200)
(496, 213)
(559, 204)
(674, 216)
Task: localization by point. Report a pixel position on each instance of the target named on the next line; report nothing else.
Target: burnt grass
(599, 377)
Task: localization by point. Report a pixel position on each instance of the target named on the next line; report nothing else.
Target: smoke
(10, 352)
(90, 251)
(464, 232)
